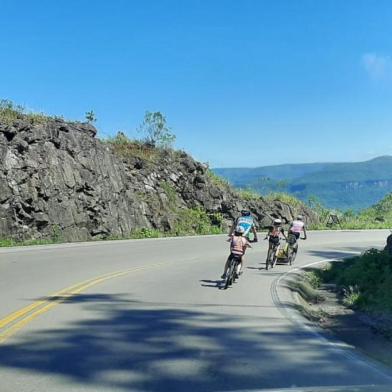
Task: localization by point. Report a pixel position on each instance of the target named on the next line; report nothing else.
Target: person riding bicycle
(274, 234)
(238, 245)
(297, 226)
(246, 222)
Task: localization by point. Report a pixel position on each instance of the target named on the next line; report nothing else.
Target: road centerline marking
(15, 321)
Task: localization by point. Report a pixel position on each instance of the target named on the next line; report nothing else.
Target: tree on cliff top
(157, 132)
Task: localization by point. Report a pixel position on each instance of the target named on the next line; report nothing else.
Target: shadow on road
(129, 345)
(212, 283)
(332, 254)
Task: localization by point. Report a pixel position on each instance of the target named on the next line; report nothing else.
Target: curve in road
(168, 326)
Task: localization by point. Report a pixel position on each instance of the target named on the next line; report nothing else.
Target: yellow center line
(17, 320)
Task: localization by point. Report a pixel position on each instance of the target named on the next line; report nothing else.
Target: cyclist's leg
(240, 264)
(227, 265)
(269, 250)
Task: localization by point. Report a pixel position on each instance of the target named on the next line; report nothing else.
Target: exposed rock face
(57, 177)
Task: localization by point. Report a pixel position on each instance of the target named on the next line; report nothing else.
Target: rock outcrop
(57, 178)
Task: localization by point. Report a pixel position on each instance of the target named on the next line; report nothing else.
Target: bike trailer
(282, 252)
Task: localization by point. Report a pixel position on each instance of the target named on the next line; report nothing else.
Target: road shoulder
(322, 309)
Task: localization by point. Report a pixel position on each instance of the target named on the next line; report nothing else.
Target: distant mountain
(352, 185)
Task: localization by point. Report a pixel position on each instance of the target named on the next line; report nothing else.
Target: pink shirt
(297, 226)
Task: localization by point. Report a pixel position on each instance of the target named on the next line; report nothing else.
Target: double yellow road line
(12, 323)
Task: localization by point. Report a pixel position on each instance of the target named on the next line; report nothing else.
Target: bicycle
(292, 248)
(231, 274)
(271, 256)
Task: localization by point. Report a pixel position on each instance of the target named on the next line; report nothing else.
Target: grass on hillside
(128, 148)
(10, 112)
(248, 194)
(365, 281)
(284, 198)
(217, 180)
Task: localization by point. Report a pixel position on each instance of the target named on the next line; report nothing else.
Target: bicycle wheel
(290, 256)
(229, 276)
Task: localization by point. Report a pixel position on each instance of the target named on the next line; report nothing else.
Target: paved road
(161, 323)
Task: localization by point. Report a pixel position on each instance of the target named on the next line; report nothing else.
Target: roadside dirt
(369, 334)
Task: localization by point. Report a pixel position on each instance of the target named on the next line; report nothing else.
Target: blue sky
(242, 83)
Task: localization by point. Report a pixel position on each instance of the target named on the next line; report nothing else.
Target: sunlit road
(161, 323)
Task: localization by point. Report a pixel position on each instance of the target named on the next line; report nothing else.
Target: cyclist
(238, 245)
(297, 226)
(274, 234)
(246, 222)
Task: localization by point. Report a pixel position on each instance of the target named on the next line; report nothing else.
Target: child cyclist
(238, 246)
(274, 234)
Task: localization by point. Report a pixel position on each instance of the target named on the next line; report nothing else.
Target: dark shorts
(232, 255)
(274, 240)
(296, 234)
(292, 239)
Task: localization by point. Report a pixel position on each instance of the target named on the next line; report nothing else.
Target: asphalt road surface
(149, 315)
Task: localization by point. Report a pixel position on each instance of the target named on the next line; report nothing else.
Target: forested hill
(351, 185)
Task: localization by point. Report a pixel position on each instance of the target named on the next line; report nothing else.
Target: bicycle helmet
(277, 222)
(245, 213)
(239, 230)
(300, 217)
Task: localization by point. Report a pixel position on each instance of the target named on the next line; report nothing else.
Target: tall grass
(284, 198)
(365, 281)
(10, 112)
(217, 180)
(248, 194)
(129, 148)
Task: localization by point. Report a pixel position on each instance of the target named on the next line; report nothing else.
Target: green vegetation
(9, 113)
(284, 198)
(128, 148)
(55, 238)
(217, 180)
(248, 194)
(91, 117)
(365, 281)
(377, 217)
(195, 221)
(156, 131)
(307, 286)
(188, 222)
(144, 233)
(313, 279)
(170, 192)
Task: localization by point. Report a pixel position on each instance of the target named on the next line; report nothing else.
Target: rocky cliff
(57, 178)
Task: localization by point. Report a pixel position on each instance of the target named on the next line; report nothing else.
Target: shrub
(145, 233)
(157, 132)
(90, 117)
(197, 221)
